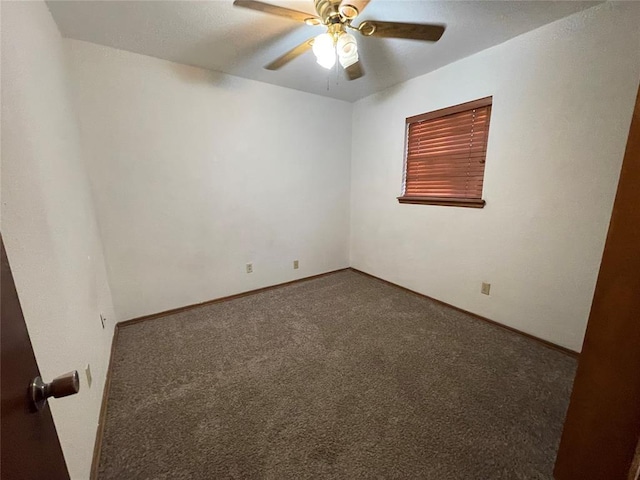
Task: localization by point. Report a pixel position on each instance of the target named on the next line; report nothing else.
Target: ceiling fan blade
(411, 31)
(275, 10)
(354, 71)
(290, 55)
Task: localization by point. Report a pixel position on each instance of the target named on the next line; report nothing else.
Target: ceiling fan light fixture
(337, 17)
(348, 11)
(367, 28)
(347, 48)
(327, 61)
(346, 62)
(324, 50)
(313, 21)
(346, 45)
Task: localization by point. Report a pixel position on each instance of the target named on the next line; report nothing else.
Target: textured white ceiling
(218, 36)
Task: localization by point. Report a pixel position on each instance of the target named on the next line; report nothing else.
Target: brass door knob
(62, 386)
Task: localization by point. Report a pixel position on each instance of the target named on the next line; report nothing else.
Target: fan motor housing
(328, 11)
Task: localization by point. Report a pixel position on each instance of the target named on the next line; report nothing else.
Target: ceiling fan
(337, 16)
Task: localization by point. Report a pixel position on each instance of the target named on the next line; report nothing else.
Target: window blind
(446, 151)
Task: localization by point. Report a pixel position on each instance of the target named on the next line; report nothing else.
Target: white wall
(196, 174)
(563, 99)
(48, 223)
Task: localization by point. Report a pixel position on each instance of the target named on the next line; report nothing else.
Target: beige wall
(562, 103)
(196, 174)
(48, 224)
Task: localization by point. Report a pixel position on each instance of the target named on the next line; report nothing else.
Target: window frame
(443, 112)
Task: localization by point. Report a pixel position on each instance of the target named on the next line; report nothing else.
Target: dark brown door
(29, 445)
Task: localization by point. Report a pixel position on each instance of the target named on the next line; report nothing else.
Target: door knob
(62, 386)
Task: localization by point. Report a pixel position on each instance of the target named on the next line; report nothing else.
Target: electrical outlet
(89, 377)
(249, 267)
(295, 264)
(485, 288)
(103, 320)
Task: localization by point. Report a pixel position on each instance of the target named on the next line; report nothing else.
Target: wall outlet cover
(249, 267)
(295, 264)
(486, 287)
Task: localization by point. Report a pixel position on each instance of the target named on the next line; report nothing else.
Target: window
(445, 155)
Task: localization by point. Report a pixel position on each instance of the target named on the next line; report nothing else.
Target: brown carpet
(339, 377)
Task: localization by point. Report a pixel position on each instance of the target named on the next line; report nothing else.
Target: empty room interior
(318, 239)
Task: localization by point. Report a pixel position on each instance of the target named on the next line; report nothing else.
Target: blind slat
(441, 193)
(439, 158)
(461, 180)
(445, 190)
(452, 117)
(445, 172)
(452, 150)
(465, 140)
(460, 123)
(442, 180)
(473, 165)
(471, 147)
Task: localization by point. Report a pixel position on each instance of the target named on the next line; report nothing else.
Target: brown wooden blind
(446, 152)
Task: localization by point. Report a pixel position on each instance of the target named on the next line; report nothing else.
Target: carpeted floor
(339, 377)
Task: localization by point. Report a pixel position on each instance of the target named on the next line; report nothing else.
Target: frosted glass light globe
(347, 50)
(324, 50)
